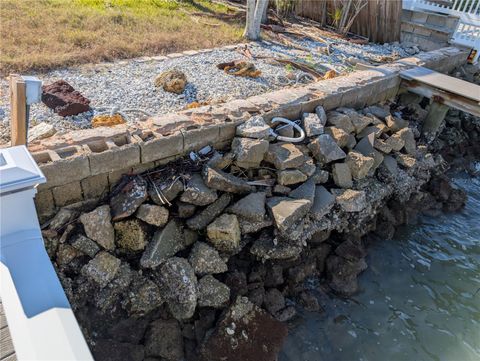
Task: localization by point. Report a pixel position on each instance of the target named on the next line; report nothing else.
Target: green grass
(45, 34)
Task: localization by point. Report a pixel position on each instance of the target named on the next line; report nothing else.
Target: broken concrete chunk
(382, 146)
(339, 135)
(377, 111)
(352, 201)
(206, 260)
(85, 245)
(98, 227)
(320, 111)
(62, 218)
(286, 211)
(185, 210)
(308, 167)
(152, 214)
(390, 164)
(265, 248)
(250, 207)
(324, 201)
(164, 244)
(101, 269)
(128, 196)
(164, 340)
(406, 160)
(197, 192)
(245, 332)
(396, 142)
(304, 191)
(249, 152)
(168, 190)
(255, 127)
(312, 124)
(342, 176)
(143, 297)
(375, 129)
(131, 235)
(249, 226)
(360, 122)
(284, 155)
(365, 145)
(225, 182)
(220, 161)
(224, 233)
(377, 160)
(212, 293)
(341, 121)
(325, 149)
(359, 164)
(207, 215)
(179, 285)
(352, 141)
(410, 144)
(320, 176)
(290, 176)
(394, 124)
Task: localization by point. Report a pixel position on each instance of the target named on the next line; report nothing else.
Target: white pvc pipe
(293, 124)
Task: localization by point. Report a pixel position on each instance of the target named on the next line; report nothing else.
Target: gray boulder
(153, 214)
(312, 124)
(101, 269)
(128, 196)
(286, 211)
(212, 293)
(352, 201)
(219, 180)
(206, 260)
(207, 215)
(285, 155)
(98, 227)
(325, 149)
(197, 193)
(250, 207)
(249, 152)
(255, 127)
(324, 201)
(224, 233)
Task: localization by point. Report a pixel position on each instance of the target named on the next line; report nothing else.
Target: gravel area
(129, 84)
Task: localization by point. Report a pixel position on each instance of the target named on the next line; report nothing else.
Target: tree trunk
(255, 10)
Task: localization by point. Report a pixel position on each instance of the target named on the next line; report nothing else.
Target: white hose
(287, 139)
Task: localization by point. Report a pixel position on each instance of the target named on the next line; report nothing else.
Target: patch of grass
(46, 34)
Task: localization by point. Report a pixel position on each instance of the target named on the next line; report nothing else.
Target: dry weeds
(46, 34)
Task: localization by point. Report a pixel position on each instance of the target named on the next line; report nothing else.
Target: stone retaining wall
(85, 164)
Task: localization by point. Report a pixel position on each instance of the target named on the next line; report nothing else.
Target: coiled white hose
(287, 139)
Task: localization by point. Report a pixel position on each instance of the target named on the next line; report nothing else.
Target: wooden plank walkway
(443, 89)
(7, 352)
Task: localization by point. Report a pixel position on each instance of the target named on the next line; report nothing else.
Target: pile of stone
(149, 271)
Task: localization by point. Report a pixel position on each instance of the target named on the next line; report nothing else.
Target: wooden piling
(18, 104)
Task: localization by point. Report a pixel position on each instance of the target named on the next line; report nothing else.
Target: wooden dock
(7, 352)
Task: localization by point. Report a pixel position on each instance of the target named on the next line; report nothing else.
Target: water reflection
(419, 299)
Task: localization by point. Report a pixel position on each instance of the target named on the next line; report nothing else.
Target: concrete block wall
(430, 31)
(86, 164)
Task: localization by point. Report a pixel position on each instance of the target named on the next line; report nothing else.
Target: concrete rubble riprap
(215, 271)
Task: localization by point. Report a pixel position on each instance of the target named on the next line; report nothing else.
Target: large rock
(304, 191)
(249, 226)
(225, 182)
(212, 293)
(245, 333)
(395, 141)
(164, 244)
(255, 127)
(286, 211)
(197, 192)
(342, 274)
(365, 145)
(320, 111)
(324, 201)
(342, 176)
(290, 176)
(207, 215)
(128, 196)
(64, 99)
(352, 201)
(179, 284)
(341, 121)
(266, 248)
(85, 245)
(251, 207)
(312, 124)
(360, 122)
(382, 146)
(173, 81)
(249, 152)
(143, 297)
(394, 124)
(101, 269)
(164, 339)
(325, 149)
(339, 135)
(98, 226)
(206, 260)
(285, 155)
(131, 235)
(167, 190)
(224, 233)
(359, 164)
(41, 131)
(410, 145)
(152, 214)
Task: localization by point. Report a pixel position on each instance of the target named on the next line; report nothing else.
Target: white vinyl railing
(467, 32)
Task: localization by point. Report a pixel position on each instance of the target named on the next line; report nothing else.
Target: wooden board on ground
(7, 352)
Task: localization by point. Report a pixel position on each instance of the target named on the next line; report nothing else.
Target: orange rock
(107, 120)
(330, 74)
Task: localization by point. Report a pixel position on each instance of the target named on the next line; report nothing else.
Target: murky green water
(419, 299)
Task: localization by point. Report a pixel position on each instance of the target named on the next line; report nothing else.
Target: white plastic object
(293, 124)
(39, 316)
(33, 87)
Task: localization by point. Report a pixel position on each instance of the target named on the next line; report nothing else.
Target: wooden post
(18, 104)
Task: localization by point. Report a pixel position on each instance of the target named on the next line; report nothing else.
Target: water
(419, 299)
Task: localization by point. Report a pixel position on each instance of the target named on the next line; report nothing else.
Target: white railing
(467, 32)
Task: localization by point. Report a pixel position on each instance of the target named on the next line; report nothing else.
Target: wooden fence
(379, 21)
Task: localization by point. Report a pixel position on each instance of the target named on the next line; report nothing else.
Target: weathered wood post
(18, 104)
(434, 119)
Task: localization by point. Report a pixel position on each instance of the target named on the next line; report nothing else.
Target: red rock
(64, 99)
(245, 333)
